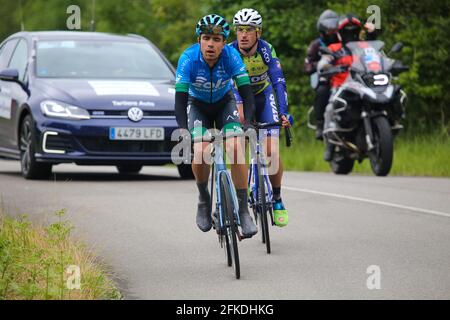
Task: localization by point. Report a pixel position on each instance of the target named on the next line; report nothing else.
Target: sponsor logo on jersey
(273, 105)
(265, 54)
(260, 78)
(241, 75)
(184, 64)
(202, 83)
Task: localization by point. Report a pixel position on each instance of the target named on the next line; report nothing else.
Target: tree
(289, 25)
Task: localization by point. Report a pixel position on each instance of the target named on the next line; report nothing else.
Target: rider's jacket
(209, 84)
(312, 56)
(264, 68)
(343, 56)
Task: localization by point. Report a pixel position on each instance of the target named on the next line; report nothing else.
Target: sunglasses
(211, 29)
(246, 29)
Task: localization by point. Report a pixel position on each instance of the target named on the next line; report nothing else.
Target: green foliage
(290, 25)
(425, 155)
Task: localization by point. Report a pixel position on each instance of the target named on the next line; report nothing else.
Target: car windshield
(100, 59)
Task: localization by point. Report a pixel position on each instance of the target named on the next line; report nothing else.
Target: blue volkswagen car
(87, 98)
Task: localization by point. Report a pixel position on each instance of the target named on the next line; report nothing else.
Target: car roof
(77, 35)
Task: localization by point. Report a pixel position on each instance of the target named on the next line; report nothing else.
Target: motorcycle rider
(349, 29)
(327, 26)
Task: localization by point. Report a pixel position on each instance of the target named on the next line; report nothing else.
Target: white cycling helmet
(248, 17)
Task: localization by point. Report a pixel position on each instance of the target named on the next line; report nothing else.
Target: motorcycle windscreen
(367, 56)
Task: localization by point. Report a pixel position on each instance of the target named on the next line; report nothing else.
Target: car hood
(110, 94)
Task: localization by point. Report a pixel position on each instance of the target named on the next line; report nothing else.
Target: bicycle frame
(261, 198)
(253, 172)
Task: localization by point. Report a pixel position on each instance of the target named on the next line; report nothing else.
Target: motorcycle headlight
(58, 109)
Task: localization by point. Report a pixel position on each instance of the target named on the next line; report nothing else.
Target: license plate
(123, 133)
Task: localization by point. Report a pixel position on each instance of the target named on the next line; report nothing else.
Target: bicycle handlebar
(261, 125)
(212, 138)
(257, 125)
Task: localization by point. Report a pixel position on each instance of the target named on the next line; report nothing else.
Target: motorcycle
(367, 109)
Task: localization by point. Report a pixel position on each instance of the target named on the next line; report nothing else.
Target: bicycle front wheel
(263, 208)
(229, 223)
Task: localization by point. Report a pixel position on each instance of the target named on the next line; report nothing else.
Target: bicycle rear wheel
(263, 208)
(229, 223)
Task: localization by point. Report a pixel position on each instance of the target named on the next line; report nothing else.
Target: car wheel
(129, 168)
(185, 171)
(31, 169)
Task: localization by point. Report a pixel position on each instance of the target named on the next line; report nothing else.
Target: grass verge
(426, 155)
(43, 263)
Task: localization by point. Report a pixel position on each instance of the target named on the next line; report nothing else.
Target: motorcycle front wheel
(383, 153)
(342, 166)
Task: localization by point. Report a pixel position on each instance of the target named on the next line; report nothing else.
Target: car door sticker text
(128, 88)
(5, 107)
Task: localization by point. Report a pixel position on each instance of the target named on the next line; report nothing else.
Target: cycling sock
(242, 200)
(277, 193)
(204, 193)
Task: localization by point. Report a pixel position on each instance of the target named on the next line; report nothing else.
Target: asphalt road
(340, 228)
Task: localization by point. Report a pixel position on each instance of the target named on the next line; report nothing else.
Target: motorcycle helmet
(327, 25)
(349, 28)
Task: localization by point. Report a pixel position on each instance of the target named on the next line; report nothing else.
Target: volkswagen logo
(135, 114)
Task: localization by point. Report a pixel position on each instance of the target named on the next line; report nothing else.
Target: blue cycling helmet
(213, 24)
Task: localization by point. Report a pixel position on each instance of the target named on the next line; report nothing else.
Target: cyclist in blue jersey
(204, 99)
(266, 78)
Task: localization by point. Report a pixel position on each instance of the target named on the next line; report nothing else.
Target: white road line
(388, 204)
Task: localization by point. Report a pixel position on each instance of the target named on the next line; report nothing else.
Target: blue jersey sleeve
(276, 76)
(237, 96)
(235, 62)
(183, 74)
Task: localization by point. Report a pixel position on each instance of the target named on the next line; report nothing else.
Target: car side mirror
(12, 75)
(9, 75)
(397, 47)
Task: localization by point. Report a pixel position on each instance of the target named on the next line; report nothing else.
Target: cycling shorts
(222, 115)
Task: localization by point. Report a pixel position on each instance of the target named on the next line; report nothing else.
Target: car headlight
(58, 109)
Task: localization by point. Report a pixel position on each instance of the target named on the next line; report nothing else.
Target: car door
(6, 51)
(15, 93)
